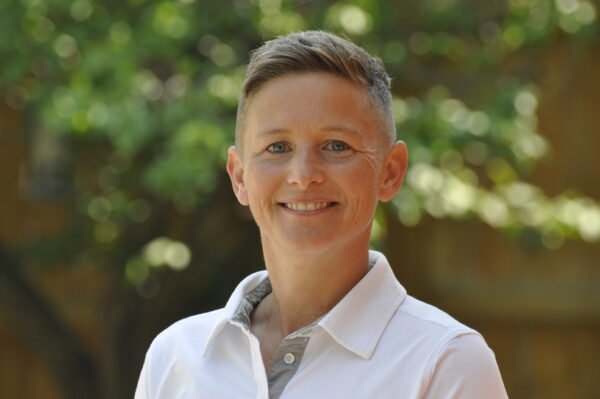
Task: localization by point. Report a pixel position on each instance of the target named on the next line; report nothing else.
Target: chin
(302, 242)
(314, 243)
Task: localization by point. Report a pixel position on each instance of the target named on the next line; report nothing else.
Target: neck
(308, 285)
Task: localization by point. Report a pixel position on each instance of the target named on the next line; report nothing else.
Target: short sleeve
(466, 369)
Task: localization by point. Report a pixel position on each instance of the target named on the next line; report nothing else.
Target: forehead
(309, 101)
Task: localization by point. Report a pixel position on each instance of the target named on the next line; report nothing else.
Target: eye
(278, 148)
(337, 146)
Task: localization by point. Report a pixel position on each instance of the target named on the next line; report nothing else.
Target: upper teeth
(313, 206)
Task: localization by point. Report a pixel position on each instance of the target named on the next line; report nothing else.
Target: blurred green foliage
(152, 86)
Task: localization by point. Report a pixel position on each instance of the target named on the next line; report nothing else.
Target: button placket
(286, 361)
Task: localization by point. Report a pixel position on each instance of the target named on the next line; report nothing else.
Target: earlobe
(394, 170)
(235, 170)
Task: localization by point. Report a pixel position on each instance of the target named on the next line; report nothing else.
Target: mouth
(307, 206)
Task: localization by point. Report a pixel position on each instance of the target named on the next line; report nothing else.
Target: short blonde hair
(318, 51)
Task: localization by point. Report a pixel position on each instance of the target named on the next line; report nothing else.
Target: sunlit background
(116, 216)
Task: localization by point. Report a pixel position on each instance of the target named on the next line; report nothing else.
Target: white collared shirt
(377, 342)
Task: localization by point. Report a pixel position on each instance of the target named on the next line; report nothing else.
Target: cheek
(362, 177)
(260, 182)
(361, 188)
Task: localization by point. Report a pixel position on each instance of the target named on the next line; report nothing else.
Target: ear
(394, 170)
(235, 169)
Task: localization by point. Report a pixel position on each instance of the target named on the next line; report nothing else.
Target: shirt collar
(357, 322)
(229, 312)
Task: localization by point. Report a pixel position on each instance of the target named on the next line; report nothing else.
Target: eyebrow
(269, 132)
(341, 129)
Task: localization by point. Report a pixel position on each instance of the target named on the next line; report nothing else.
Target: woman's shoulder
(193, 330)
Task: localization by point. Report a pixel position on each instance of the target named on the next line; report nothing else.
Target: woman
(315, 151)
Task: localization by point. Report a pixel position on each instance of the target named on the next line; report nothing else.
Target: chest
(319, 369)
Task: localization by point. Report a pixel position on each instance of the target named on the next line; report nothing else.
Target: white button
(289, 358)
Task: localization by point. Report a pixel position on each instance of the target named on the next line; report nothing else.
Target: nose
(304, 169)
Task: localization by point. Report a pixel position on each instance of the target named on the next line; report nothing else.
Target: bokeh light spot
(354, 20)
(81, 10)
(65, 46)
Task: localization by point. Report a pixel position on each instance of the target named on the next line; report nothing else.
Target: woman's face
(314, 163)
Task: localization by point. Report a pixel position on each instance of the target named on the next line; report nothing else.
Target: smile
(310, 206)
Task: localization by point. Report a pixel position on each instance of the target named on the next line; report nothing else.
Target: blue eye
(337, 146)
(278, 148)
